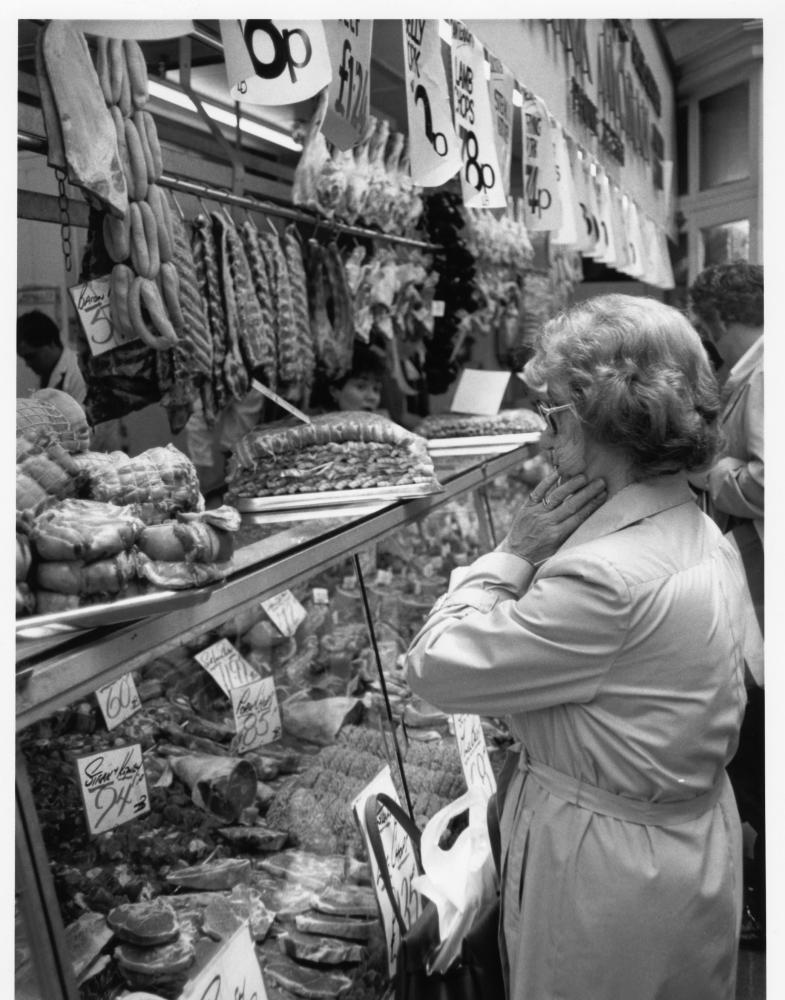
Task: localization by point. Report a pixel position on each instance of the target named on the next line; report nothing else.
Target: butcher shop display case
(195, 768)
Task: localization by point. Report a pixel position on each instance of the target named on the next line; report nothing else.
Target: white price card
(233, 973)
(320, 595)
(474, 754)
(275, 62)
(479, 392)
(91, 301)
(401, 864)
(285, 612)
(113, 786)
(348, 103)
(256, 714)
(226, 666)
(118, 700)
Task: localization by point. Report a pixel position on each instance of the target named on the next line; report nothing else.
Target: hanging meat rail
(37, 144)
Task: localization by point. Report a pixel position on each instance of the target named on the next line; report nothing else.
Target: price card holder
(118, 700)
(401, 863)
(257, 716)
(474, 753)
(91, 301)
(113, 787)
(479, 392)
(233, 972)
(285, 612)
(320, 595)
(225, 665)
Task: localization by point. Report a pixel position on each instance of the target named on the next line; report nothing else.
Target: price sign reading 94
(118, 701)
(474, 753)
(348, 105)
(113, 786)
(481, 177)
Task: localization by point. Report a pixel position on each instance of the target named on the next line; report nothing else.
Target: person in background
(39, 345)
(727, 305)
(358, 389)
(609, 623)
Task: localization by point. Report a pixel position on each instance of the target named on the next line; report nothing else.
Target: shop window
(726, 242)
(682, 150)
(724, 137)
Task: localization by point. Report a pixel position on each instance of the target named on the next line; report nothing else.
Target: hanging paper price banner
(634, 241)
(231, 974)
(481, 177)
(401, 864)
(113, 787)
(275, 62)
(225, 665)
(606, 253)
(434, 153)
(474, 754)
(285, 612)
(348, 102)
(500, 88)
(118, 700)
(541, 203)
(587, 223)
(666, 268)
(619, 232)
(256, 714)
(567, 233)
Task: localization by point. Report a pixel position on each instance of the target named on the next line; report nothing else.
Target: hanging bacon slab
(214, 395)
(260, 279)
(235, 373)
(336, 451)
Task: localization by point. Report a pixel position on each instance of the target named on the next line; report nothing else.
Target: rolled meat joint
(51, 414)
(45, 473)
(106, 576)
(86, 530)
(195, 542)
(221, 785)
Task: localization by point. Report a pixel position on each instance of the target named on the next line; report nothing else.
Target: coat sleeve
(504, 641)
(736, 483)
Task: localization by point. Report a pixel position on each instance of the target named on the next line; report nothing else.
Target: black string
(383, 682)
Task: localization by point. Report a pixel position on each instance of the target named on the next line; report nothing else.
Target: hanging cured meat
(290, 372)
(327, 359)
(302, 323)
(235, 372)
(206, 263)
(261, 285)
(340, 298)
(195, 348)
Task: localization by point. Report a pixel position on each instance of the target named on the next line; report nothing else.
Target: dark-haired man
(39, 345)
(727, 306)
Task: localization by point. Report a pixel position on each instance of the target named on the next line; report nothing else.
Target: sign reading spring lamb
(275, 61)
(482, 185)
(434, 153)
(348, 104)
(500, 89)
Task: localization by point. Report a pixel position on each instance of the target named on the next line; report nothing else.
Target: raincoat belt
(599, 800)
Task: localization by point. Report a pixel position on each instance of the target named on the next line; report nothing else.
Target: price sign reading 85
(118, 700)
(474, 753)
(256, 714)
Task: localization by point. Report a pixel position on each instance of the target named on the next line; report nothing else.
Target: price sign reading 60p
(118, 700)
(113, 786)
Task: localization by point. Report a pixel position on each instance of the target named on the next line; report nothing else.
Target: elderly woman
(610, 624)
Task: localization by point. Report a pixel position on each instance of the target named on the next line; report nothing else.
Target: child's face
(359, 392)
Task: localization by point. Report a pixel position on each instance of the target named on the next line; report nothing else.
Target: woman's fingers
(579, 505)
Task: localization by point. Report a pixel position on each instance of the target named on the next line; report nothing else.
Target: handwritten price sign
(348, 104)
(118, 701)
(285, 612)
(91, 301)
(474, 753)
(399, 852)
(225, 665)
(233, 973)
(256, 714)
(113, 786)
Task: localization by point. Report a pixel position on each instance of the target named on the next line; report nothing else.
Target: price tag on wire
(285, 612)
(113, 787)
(474, 753)
(257, 716)
(226, 666)
(118, 700)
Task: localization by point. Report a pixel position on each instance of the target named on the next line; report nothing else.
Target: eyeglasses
(546, 412)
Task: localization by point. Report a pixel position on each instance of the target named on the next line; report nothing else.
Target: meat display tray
(481, 444)
(334, 498)
(112, 613)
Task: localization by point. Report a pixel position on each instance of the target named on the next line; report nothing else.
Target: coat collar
(633, 503)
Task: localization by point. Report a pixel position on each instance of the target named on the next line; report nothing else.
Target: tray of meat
(484, 444)
(110, 613)
(335, 498)
(463, 425)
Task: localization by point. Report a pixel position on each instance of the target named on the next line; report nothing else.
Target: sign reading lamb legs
(275, 61)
